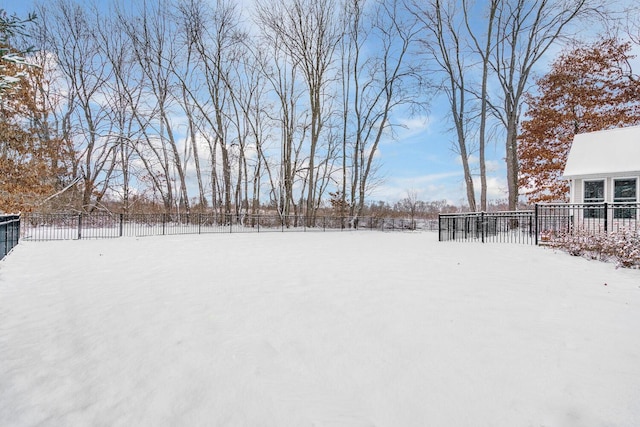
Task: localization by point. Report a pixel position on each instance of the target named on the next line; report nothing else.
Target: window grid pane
(624, 191)
(594, 193)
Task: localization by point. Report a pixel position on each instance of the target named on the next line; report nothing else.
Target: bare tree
(153, 42)
(190, 84)
(483, 48)
(309, 31)
(246, 85)
(284, 80)
(249, 107)
(525, 31)
(216, 39)
(67, 32)
(410, 204)
(376, 84)
(507, 42)
(122, 96)
(446, 47)
(633, 23)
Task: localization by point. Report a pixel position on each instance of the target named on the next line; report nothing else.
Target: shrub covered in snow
(622, 247)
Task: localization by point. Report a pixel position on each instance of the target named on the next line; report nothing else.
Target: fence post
(79, 226)
(453, 235)
(163, 222)
(535, 222)
(4, 230)
(121, 224)
(482, 225)
(15, 230)
(606, 218)
(466, 228)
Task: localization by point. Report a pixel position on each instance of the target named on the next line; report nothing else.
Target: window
(594, 193)
(624, 191)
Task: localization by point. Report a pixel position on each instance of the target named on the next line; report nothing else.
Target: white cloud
(493, 165)
(496, 187)
(415, 125)
(421, 180)
(448, 186)
(472, 160)
(438, 186)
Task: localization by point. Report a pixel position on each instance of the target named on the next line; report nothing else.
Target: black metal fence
(512, 227)
(9, 233)
(99, 225)
(559, 220)
(545, 224)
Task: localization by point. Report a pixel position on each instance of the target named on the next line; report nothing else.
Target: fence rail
(9, 233)
(597, 218)
(508, 227)
(546, 223)
(101, 225)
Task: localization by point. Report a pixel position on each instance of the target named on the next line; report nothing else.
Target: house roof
(607, 152)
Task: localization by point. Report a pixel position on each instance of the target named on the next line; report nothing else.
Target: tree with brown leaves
(27, 172)
(588, 88)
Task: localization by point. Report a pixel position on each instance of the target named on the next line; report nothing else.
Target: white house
(604, 166)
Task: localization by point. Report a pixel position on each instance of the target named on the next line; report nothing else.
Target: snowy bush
(622, 247)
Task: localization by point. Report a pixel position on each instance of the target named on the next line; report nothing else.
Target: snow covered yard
(315, 329)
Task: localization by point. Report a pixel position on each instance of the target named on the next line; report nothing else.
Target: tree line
(198, 105)
(286, 105)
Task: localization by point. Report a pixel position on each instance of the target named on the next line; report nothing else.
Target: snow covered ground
(315, 329)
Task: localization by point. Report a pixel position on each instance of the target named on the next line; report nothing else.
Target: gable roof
(606, 152)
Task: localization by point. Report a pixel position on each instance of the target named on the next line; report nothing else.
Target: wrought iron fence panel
(99, 225)
(544, 225)
(596, 218)
(508, 227)
(51, 226)
(9, 233)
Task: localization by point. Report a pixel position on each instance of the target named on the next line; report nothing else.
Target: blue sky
(421, 158)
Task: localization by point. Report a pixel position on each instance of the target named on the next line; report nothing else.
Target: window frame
(594, 212)
(626, 208)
